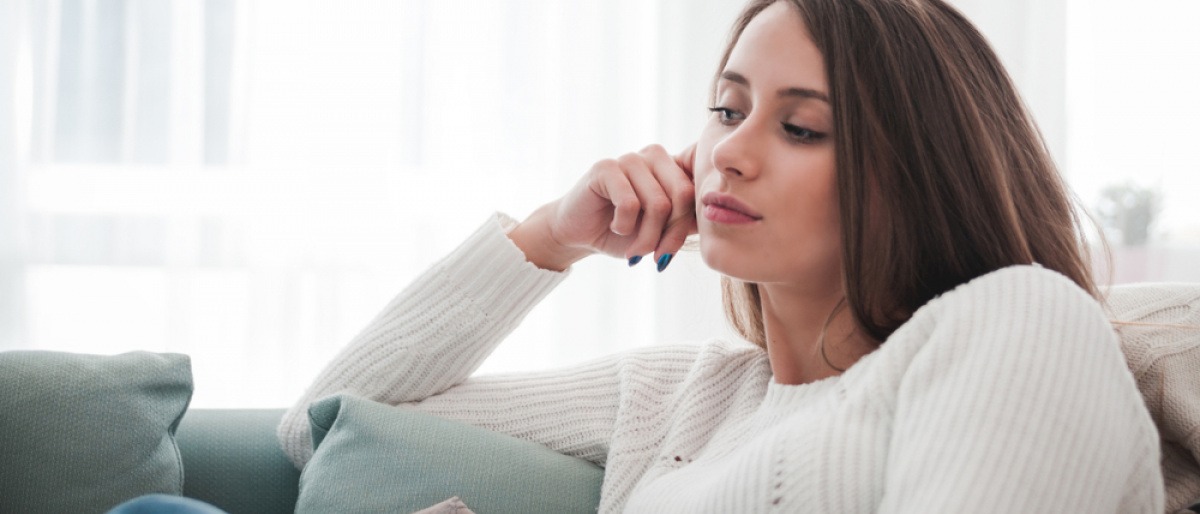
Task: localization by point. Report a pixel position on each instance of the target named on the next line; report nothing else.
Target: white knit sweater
(1007, 394)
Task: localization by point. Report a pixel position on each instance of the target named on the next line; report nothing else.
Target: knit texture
(1164, 355)
(1007, 394)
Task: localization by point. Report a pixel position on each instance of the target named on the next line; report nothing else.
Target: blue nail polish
(664, 261)
(634, 260)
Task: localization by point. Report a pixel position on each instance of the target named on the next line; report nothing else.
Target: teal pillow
(83, 433)
(372, 457)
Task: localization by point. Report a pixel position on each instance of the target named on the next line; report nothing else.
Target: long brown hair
(942, 175)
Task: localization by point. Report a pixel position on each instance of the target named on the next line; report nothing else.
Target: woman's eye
(726, 115)
(802, 134)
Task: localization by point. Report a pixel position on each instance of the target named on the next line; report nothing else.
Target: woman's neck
(794, 320)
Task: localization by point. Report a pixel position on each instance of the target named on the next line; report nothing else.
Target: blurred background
(249, 182)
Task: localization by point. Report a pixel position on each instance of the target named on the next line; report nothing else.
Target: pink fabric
(452, 505)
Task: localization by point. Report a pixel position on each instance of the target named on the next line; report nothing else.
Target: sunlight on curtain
(1133, 75)
(250, 182)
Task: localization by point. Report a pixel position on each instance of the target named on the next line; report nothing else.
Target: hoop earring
(821, 342)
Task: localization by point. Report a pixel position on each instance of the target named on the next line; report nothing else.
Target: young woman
(897, 245)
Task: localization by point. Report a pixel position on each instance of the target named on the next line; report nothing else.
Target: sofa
(232, 459)
(82, 433)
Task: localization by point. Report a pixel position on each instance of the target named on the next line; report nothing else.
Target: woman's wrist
(533, 237)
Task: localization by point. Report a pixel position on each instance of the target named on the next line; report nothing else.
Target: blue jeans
(164, 504)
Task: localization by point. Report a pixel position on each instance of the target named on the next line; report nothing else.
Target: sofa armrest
(232, 459)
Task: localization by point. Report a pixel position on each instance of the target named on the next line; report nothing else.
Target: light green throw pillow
(373, 458)
(83, 433)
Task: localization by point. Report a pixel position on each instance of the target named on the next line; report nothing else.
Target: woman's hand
(628, 207)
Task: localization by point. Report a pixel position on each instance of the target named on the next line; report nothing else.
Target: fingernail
(634, 260)
(664, 261)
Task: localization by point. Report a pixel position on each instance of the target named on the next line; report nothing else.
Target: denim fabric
(164, 504)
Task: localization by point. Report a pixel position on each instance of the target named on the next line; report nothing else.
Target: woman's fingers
(674, 174)
(673, 239)
(686, 160)
(625, 202)
(656, 204)
(650, 198)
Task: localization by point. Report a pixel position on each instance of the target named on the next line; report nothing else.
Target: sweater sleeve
(435, 333)
(1021, 403)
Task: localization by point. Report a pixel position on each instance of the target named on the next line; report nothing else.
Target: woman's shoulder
(1020, 328)
(1025, 309)
(1023, 291)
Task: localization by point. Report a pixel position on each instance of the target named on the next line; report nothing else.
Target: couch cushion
(83, 433)
(370, 457)
(233, 460)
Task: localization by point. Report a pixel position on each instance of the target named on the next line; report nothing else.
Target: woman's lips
(724, 208)
(716, 213)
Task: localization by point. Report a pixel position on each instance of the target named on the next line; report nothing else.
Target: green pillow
(372, 457)
(83, 433)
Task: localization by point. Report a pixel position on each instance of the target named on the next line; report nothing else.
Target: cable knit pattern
(1007, 394)
(1165, 359)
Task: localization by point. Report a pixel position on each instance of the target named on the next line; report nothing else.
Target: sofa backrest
(232, 459)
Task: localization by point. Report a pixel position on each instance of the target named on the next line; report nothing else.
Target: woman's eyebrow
(801, 92)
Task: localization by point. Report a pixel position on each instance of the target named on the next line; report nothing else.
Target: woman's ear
(686, 159)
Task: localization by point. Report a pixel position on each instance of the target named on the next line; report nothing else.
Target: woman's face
(769, 145)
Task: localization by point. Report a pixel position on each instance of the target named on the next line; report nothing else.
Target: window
(1132, 78)
(250, 182)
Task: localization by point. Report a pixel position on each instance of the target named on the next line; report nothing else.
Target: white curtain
(1133, 73)
(12, 313)
(1113, 88)
(248, 182)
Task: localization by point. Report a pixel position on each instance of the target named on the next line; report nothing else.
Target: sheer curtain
(249, 182)
(1133, 74)
(1113, 88)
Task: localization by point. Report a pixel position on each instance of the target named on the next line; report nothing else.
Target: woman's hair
(942, 175)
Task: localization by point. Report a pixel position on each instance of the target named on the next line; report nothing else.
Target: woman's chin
(727, 261)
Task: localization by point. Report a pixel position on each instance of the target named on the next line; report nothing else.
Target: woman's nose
(736, 154)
